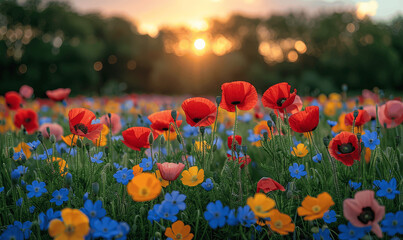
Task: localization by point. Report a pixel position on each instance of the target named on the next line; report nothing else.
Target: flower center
(69, 230)
(123, 176)
(178, 236)
(235, 102)
(36, 189)
(59, 197)
(281, 101)
(93, 213)
(394, 223)
(196, 120)
(194, 178)
(144, 192)
(316, 208)
(258, 209)
(371, 140)
(278, 224)
(366, 215)
(81, 127)
(346, 148)
(27, 120)
(389, 190)
(351, 233)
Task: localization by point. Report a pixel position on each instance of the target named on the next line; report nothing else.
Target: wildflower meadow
(242, 165)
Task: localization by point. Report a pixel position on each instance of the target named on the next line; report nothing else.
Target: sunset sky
(150, 14)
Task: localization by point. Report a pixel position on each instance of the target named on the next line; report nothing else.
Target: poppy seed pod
(40, 136)
(79, 143)
(52, 139)
(95, 188)
(48, 130)
(326, 141)
(179, 139)
(109, 115)
(355, 114)
(344, 87)
(269, 123)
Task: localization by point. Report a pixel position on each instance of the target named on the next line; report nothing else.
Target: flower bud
(218, 100)
(174, 114)
(40, 136)
(68, 179)
(79, 143)
(52, 139)
(326, 141)
(95, 188)
(359, 136)
(151, 138)
(202, 129)
(269, 124)
(179, 139)
(355, 114)
(162, 139)
(48, 130)
(109, 115)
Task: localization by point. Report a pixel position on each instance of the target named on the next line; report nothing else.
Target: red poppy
(305, 121)
(240, 94)
(13, 100)
(58, 94)
(200, 112)
(344, 147)
(160, 121)
(80, 121)
(137, 138)
(278, 96)
(27, 118)
(362, 118)
(267, 185)
(238, 140)
(245, 160)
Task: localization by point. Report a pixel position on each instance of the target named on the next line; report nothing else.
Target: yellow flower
(112, 107)
(199, 146)
(69, 140)
(314, 208)
(260, 204)
(75, 225)
(144, 187)
(330, 109)
(137, 170)
(322, 98)
(280, 223)
(172, 135)
(193, 176)
(300, 150)
(25, 148)
(102, 139)
(164, 182)
(179, 231)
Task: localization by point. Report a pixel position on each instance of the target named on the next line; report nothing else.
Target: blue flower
(106, 228)
(191, 161)
(60, 196)
(21, 169)
(19, 202)
(24, 227)
(116, 138)
(117, 166)
(297, 171)
(19, 155)
(153, 214)
(388, 190)
(31, 209)
(124, 176)
(12, 233)
(176, 199)
(97, 158)
(245, 216)
(15, 175)
(317, 158)
(351, 232)
(329, 216)
(216, 214)
(295, 141)
(1, 189)
(168, 211)
(36, 189)
(123, 229)
(34, 145)
(189, 131)
(393, 223)
(62, 148)
(354, 185)
(377, 183)
(96, 121)
(208, 184)
(322, 235)
(229, 132)
(253, 137)
(218, 142)
(232, 220)
(44, 156)
(44, 219)
(85, 196)
(93, 210)
(370, 139)
(331, 123)
(146, 164)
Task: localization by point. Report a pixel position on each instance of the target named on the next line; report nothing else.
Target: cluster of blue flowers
(218, 215)
(169, 208)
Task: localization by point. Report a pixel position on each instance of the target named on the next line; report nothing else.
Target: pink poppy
(371, 110)
(295, 107)
(170, 171)
(391, 113)
(54, 129)
(115, 120)
(58, 94)
(26, 91)
(363, 210)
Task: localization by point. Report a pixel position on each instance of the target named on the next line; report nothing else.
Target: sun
(199, 44)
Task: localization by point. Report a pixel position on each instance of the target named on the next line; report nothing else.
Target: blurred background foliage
(48, 45)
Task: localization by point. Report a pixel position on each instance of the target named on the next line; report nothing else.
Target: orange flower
(179, 231)
(314, 208)
(102, 139)
(62, 165)
(137, 170)
(75, 225)
(25, 148)
(260, 204)
(144, 187)
(69, 140)
(193, 176)
(280, 223)
(164, 182)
